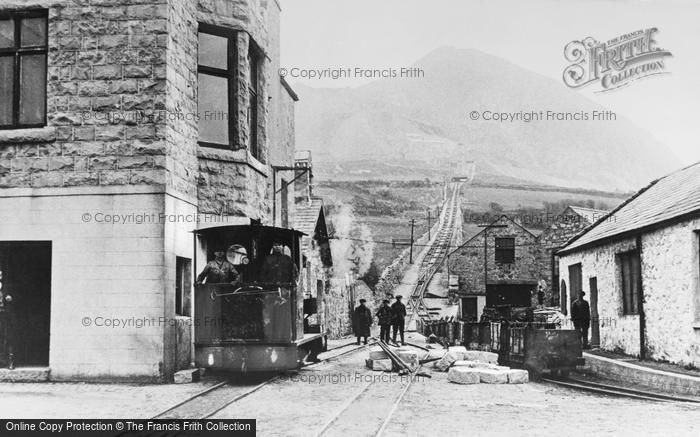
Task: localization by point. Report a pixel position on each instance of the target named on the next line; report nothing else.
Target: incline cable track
(436, 254)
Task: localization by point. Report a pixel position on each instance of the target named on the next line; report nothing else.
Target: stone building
(501, 265)
(125, 125)
(565, 226)
(640, 266)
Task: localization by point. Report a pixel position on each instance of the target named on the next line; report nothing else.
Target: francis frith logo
(615, 63)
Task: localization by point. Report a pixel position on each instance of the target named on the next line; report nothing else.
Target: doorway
(595, 319)
(469, 309)
(575, 282)
(25, 312)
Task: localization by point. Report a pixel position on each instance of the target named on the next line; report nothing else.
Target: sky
(318, 34)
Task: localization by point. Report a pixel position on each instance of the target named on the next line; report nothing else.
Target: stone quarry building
(124, 126)
(640, 268)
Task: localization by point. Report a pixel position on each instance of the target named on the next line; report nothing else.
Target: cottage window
(505, 250)
(630, 279)
(23, 48)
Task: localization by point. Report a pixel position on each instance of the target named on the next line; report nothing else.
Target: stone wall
(467, 261)
(670, 268)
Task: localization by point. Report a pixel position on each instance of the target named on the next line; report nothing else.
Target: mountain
(424, 124)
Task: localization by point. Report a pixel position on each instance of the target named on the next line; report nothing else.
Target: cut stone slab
(518, 376)
(473, 364)
(409, 357)
(25, 374)
(385, 365)
(459, 351)
(186, 376)
(484, 357)
(445, 362)
(378, 355)
(463, 375)
(492, 376)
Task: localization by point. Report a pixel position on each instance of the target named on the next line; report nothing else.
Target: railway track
(435, 256)
(613, 390)
(210, 401)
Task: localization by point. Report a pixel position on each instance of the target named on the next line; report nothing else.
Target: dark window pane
(32, 95)
(7, 34)
(213, 51)
(213, 109)
(33, 32)
(6, 85)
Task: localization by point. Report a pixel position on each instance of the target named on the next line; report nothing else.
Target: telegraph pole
(410, 258)
(428, 224)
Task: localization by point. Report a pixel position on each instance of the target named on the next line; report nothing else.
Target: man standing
(581, 316)
(361, 321)
(384, 318)
(398, 316)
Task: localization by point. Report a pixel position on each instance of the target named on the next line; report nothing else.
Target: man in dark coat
(398, 318)
(219, 270)
(581, 316)
(384, 318)
(361, 321)
(278, 268)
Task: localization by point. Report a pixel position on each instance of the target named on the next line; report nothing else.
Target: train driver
(278, 267)
(219, 270)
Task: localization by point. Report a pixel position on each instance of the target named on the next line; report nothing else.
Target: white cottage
(640, 267)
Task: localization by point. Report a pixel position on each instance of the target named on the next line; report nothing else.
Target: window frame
(16, 52)
(231, 74)
(499, 250)
(255, 60)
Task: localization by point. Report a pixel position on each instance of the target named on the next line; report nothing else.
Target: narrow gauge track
(613, 390)
(365, 391)
(437, 252)
(210, 401)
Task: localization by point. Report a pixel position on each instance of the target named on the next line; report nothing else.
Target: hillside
(395, 128)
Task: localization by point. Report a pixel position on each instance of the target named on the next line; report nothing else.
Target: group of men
(388, 317)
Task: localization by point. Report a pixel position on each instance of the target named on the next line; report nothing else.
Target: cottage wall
(670, 267)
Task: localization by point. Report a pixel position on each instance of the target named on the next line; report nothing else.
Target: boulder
(463, 375)
(385, 365)
(473, 364)
(492, 376)
(518, 376)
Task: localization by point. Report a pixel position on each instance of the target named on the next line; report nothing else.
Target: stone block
(458, 351)
(409, 357)
(518, 376)
(463, 375)
(473, 364)
(25, 374)
(385, 365)
(492, 376)
(378, 355)
(445, 362)
(484, 357)
(186, 376)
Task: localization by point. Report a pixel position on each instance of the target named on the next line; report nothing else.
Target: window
(253, 65)
(216, 78)
(505, 250)
(630, 280)
(23, 48)
(183, 286)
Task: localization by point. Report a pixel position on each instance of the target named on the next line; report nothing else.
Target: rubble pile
(475, 366)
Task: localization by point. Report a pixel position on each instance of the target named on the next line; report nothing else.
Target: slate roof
(306, 216)
(665, 199)
(591, 215)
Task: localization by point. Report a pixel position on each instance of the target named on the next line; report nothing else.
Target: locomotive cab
(253, 318)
